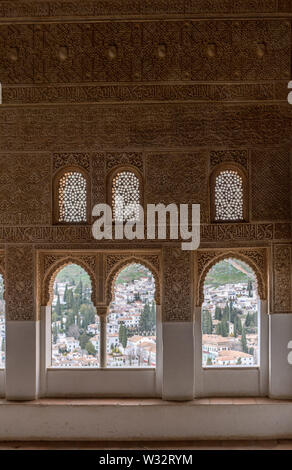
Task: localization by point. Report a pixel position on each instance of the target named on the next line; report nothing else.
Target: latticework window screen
(126, 196)
(228, 196)
(72, 197)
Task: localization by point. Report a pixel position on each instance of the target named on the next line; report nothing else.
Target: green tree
(243, 341)
(83, 340)
(226, 312)
(145, 321)
(90, 348)
(207, 324)
(58, 307)
(224, 328)
(123, 335)
(65, 294)
(249, 288)
(218, 313)
(55, 334)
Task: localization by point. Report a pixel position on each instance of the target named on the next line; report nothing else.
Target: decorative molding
(144, 126)
(20, 280)
(81, 235)
(62, 160)
(256, 258)
(177, 285)
(45, 94)
(145, 51)
(238, 156)
(114, 263)
(48, 9)
(51, 263)
(116, 159)
(282, 279)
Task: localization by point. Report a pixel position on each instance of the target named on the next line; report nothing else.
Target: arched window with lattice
(228, 195)
(71, 196)
(125, 194)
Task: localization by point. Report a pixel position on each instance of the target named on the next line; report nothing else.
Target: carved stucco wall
(173, 97)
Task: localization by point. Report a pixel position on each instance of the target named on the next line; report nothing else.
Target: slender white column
(102, 312)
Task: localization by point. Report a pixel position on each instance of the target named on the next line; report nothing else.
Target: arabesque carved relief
(282, 275)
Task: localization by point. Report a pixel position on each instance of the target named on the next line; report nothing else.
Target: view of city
(230, 316)
(131, 323)
(2, 324)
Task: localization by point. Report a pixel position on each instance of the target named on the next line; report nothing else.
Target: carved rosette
(282, 279)
(115, 263)
(256, 258)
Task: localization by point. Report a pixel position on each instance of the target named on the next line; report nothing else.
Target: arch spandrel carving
(123, 261)
(256, 258)
(53, 264)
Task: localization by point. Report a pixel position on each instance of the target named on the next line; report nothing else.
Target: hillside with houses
(230, 316)
(131, 325)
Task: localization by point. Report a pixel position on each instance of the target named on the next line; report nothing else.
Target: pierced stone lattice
(126, 196)
(228, 196)
(72, 197)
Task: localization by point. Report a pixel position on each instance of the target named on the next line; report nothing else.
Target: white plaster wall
(101, 383)
(156, 419)
(178, 361)
(280, 385)
(21, 359)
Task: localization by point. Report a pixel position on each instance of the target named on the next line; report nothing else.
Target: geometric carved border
(256, 258)
(282, 279)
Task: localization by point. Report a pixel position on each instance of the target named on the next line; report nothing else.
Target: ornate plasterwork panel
(61, 160)
(20, 289)
(25, 191)
(72, 235)
(271, 184)
(49, 264)
(95, 8)
(116, 159)
(282, 279)
(143, 126)
(256, 258)
(141, 51)
(238, 156)
(177, 285)
(114, 263)
(142, 92)
(178, 178)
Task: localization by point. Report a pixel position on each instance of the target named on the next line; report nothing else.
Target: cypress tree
(58, 307)
(243, 341)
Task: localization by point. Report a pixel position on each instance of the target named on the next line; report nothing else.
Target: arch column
(102, 313)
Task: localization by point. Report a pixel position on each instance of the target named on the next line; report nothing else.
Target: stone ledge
(145, 419)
